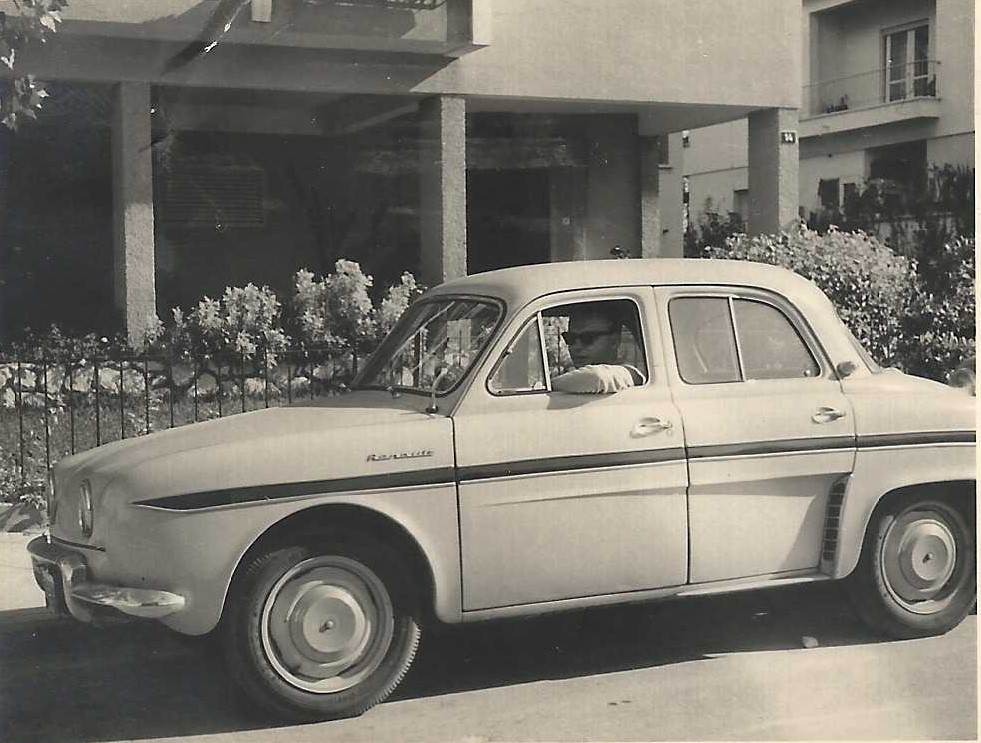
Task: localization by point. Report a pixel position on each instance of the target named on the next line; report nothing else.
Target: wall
(579, 50)
(849, 166)
(850, 33)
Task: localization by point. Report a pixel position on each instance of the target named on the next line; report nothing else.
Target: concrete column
(650, 198)
(567, 209)
(132, 188)
(443, 189)
(773, 171)
(672, 204)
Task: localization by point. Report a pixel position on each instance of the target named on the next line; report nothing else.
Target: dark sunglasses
(586, 337)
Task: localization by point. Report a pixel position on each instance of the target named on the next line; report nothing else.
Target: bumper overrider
(63, 574)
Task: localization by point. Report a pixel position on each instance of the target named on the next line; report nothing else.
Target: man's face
(592, 339)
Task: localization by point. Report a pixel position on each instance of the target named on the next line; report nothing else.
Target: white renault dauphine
(758, 445)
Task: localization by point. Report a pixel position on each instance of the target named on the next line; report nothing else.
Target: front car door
(566, 496)
(767, 429)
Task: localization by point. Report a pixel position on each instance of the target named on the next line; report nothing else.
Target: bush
(335, 312)
(869, 285)
(712, 230)
(395, 302)
(939, 332)
(244, 321)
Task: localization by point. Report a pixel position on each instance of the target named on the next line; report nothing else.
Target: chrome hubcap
(327, 624)
(919, 556)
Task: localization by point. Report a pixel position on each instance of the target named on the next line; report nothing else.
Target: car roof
(519, 285)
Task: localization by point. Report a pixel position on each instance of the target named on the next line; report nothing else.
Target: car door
(563, 495)
(768, 430)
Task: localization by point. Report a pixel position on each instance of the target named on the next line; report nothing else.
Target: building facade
(437, 136)
(887, 92)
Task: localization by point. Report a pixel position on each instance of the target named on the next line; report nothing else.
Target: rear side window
(704, 340)
(724, 339)
(770, 345)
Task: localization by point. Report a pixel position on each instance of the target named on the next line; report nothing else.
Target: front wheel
(916, 576)
(322, 630)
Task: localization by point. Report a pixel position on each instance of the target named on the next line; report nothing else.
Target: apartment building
(437, 136)
(887, 91)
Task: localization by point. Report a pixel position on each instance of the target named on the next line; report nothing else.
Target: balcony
(882, 96)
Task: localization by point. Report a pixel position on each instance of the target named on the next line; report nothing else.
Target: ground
(792, 663)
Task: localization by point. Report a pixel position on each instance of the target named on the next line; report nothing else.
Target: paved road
(726, 667)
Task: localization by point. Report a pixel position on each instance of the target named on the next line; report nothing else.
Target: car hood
(362, 435)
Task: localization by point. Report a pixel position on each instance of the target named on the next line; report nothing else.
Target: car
(756, 444)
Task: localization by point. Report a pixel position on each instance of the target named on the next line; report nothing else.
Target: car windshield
(433, 346)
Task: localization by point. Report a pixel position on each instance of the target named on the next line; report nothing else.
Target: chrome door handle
(826, 415)
(648, 426)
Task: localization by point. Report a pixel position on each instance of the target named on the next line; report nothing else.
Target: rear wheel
(916, 576)
(323, 629)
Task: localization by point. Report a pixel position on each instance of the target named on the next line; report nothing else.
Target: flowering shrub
(336, 312)
(939, 332)
(395, 302)
(245, 320)
(869, 284)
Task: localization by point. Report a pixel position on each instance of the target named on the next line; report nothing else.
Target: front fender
(195, 553)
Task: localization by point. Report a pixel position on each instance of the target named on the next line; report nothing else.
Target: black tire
(280, 618)
(916, 574)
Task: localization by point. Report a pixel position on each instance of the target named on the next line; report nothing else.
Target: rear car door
(768, 430)
(561, 495)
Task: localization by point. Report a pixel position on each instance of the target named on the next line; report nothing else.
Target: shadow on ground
(67, 682)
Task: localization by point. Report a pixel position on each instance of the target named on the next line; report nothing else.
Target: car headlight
(86, 516)
(50, 499)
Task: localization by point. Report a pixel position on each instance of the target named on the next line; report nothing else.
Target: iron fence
(53, 406)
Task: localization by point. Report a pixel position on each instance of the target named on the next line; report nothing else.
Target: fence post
(98, 404)
(122, 403)
(71, 403)
(265, 372)
(242, 380)
(146, 385)
(19, 402)
(47, 427)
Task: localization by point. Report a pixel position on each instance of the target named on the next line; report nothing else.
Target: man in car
(593, 340)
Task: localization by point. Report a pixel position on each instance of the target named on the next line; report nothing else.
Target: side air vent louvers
(832, 523)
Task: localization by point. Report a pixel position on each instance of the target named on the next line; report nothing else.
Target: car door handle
(648, 426)
(826, 415)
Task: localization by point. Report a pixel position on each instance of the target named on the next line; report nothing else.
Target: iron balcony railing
(891, 84)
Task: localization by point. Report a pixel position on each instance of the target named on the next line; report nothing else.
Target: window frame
(472, 368)
(560, 302)
(909, 78)
(778, 303)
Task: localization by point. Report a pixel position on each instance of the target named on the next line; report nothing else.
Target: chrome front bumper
(63, 575)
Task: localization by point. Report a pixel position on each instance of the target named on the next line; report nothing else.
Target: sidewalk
(21, 600)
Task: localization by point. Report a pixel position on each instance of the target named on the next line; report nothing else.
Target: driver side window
(560, 339)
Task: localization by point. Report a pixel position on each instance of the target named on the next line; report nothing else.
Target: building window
(740, 203)
(829, 193)
(906, 60)
(663, 154)
(899, 170)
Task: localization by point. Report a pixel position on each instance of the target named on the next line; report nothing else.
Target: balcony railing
(891, 84)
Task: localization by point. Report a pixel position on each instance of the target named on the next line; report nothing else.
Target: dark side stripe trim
(552, 465)
(781, 446)
(912, 439)
(251, 494)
